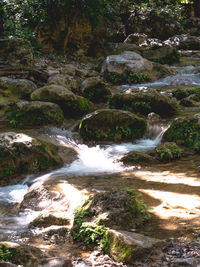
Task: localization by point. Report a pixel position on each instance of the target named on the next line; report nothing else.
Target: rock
(16, 88)
(184, 131)
(34, 113)
(22, 154)
(118, 48)
(168, 151)
(163, 55)
(152, 43)
(64, 80)
(127, 247)
(46, 221)
(23, 255)
(136, 38)
(16, 52)
(7, 264)
(111, 125)
(184, 42)
(56, 262)
(188, 101)
(155, 24)
(71, 104)
(137, 158)
(118, 209)
(144, 101)
(95, 90)
(130, 68)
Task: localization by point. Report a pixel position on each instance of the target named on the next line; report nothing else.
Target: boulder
(144, 101)
(168, 151)
(111, 125)
(34, 113)
(64, 80)
(21, 154)
(95, 90)
(131, 68)
(163, 55)
(127, 247)
(118, 209)
(15, 89)
(137, 158)
(48, 220)
(184, 42)
(71, 104)
(16, 52)
(185, 131)
(136, 38)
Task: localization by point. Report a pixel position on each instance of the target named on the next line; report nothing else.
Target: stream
(171, 190)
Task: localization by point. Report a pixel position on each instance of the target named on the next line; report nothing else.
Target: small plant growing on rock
(168, 152)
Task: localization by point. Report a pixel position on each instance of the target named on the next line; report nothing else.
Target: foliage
(168, 152)
(127, 77)
(5, 253)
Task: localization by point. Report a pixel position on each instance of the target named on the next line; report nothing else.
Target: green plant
(168, 152)
(6, 172)
(5, 253)
(129, 77)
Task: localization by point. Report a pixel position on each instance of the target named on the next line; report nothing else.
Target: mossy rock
(95, 90)
(127, 247)
(21, 154)
(112, 125)
(144, 102)
(135, 158)
(188, 102)
(168, 151)
(71, 104)
(184, 131)
(46, 221)
(34, 113)
(180, 93)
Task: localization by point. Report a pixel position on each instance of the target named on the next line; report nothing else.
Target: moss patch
(127, 77)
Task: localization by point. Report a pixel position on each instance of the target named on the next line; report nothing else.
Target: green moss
(168, 152)
(185, 131)
(5, 253)
(127, 77)
(99, 93)
(77, 107)
(6, 172)
(169, 59)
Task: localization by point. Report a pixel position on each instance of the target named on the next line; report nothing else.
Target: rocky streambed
(70, 182)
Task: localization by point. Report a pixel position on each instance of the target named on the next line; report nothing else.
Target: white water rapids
(91, 160)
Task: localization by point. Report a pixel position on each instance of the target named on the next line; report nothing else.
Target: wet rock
(46, 221)
(95, 90)
(109, 125)
(144, 101)
(7, 264)
(184, 131)
(16, 52)
(16, 88)
(163, 55)
(22, 154)
(184, 41)
(34, 113)
(71, 104)
(168, 151)
(127, 247)
(137, 158)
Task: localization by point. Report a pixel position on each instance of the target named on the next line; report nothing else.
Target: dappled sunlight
(178, 205)
(168, 177)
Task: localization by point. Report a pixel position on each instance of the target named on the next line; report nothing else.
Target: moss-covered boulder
(34, 113)
(137, 158)
(111, 125)
(64, 80)
(118, 209)
(20, 88)
(127, 247)
(144, 102)
(168, 151)
(71, 104)
(184, 131)
(95, 90)
(163, 55)
(21, 154)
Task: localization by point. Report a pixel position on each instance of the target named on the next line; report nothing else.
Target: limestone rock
(46, 221)
(21, 154)
(64, 80)
(184, 42)
(137, 158)
(112, 124)
(127, 246)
